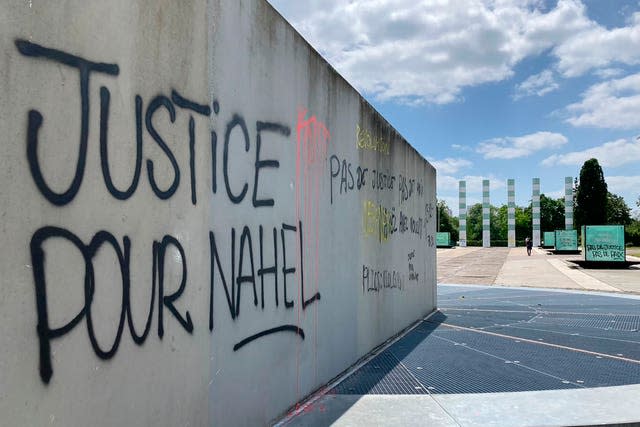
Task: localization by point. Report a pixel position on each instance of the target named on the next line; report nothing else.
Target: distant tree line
(593, 205)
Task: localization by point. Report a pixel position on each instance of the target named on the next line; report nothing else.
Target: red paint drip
(312, 144)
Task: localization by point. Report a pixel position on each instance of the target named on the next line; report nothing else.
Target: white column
(462, 214)
(511, 213)
(568, 203)
(486, 215)
(535, 214)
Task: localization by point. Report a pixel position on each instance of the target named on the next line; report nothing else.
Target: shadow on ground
(496, 340)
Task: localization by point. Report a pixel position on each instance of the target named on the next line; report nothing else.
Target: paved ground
(512, 267)
(502, 356)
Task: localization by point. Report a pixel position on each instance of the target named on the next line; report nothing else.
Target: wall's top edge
(333, 70)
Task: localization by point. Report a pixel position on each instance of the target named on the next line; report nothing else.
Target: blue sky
(494, 89)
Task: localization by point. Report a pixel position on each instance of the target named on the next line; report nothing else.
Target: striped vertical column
(462, 207)
(568, 203)
(486, 221)
(511, 213)
(535, 214)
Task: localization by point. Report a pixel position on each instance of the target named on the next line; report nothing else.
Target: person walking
(529, 245)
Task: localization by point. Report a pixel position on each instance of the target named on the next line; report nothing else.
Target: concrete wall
(202, 222)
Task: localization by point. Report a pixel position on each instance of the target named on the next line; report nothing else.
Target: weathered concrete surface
(202, 222)
(378, 410)
(603, 406)
(538, 270)
(580, 277)
(623, 280)
(472, 266)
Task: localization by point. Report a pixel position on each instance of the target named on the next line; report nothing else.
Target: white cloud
(627, 187)
(450, 165)
(614, 104)
(623, 184)
(607, 73)
(427, 51)
(598, 47)
(447, 189)
(610, 154)
(474, 183)
(513, 147)
(556, 194)
(461, 147)
(446, 183)
(538, 84)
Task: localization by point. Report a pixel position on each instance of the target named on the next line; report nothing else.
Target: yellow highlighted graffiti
(377, 221)
(366, 141)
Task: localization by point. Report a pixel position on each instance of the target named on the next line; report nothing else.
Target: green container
(443, 239)
(566, 240)
(604, 243)
(549, 238)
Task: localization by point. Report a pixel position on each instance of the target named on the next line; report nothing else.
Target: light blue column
(462, 214)
(486, 215)
(568, 203)
(511, 213)
(535, 214)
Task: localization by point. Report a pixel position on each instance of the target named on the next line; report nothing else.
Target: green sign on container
(566, 240)
(443, 239)
(549, 238)
(604, 243)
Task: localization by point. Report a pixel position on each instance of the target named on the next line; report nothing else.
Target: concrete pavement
(533, 408)
(512, 267)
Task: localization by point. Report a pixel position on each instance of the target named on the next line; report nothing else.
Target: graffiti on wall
(245, 251)
(391, 214)
(268, 266)
(312, 143)
(366, 141)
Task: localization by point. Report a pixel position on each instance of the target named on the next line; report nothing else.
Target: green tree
(474, 222)
(499, 223)
(447, 222)
(632, 232)
(618, 213)
(524, 224)
(591, 195)
(455, 222)
(551, 213)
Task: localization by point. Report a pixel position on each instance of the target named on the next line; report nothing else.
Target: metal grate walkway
(486, 340)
